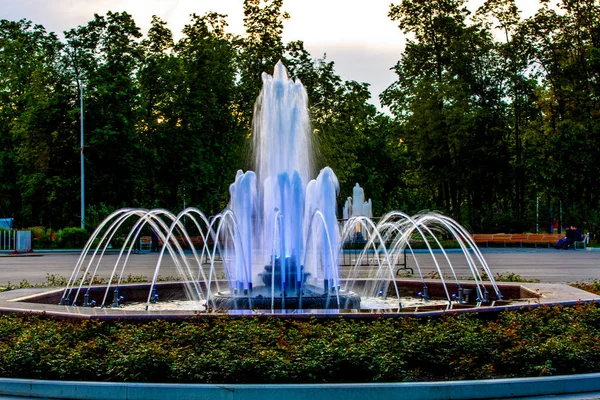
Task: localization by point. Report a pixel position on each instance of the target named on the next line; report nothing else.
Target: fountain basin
(515, 296)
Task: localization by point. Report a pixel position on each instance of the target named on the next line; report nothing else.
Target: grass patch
(54, 280)
(499, 277)
(592, 286)
(512, 277)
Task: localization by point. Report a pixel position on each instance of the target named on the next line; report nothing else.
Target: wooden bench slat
(519, 237)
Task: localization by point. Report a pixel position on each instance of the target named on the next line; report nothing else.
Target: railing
(7, 239)
(353, 254)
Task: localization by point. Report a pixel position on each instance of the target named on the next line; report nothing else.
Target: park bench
(482, 238)
(502, 238)
(542, 239)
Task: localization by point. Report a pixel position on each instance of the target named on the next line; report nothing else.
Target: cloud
(363, 64)
(60, 15)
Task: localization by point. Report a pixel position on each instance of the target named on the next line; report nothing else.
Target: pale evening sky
(356, 34)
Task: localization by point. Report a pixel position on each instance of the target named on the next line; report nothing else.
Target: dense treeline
(490, 114)
(498, 124)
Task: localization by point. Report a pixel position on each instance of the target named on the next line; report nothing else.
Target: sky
(356, 34)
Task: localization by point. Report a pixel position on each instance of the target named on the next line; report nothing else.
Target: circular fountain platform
(45, 302)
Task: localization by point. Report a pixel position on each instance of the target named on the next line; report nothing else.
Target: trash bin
(23, 242)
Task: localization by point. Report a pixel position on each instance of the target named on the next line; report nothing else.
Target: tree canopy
(490, 114)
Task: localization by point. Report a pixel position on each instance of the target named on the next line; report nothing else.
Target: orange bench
(481, 238)
(517, 238)
(501, 238)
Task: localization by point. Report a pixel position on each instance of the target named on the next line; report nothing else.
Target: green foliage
(483, 126)
(524, 101)
(450, 105)
(72, 238)
(506, 277)
(66, 238)
(258, 51)
(512, 277)
(36, 144)
(43, 238)
(53, 281)
(592, 286)
(536, 342)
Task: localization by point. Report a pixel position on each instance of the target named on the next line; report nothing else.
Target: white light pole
(561, 225)
(81, 151)
(537, 214)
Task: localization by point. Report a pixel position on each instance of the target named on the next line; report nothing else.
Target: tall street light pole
(81, 151)
(537, 214)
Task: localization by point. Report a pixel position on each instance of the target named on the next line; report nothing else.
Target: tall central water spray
(285, 228)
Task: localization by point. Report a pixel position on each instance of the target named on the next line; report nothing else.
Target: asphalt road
(547, 265)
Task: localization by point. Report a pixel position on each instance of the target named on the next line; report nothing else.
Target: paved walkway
(547, 265)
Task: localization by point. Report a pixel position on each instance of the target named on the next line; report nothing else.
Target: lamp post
(560, 226)
(81, 152)
(537, 214)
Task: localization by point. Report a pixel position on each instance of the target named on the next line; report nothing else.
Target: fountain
(279, 242)
(281, 249)
(355, 206)
(279, 212)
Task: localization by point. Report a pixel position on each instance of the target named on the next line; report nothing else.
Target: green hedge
(542, 341)
(72, 238)
(66, 238)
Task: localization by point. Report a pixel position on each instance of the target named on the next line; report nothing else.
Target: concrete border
(480, 389)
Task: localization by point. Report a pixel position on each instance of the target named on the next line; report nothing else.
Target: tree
(207, 144)
(160, 79)
(38, 158)
(258, 51)
(105, 56)
(449, 99)
(563, 47)
(519, 86)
